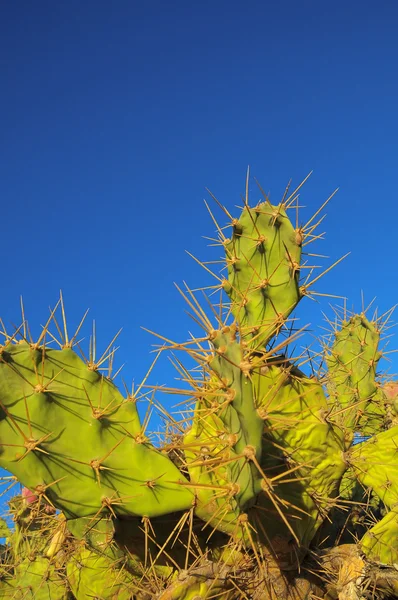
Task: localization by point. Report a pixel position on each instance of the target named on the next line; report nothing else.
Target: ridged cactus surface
(70, 435)
(263, 258)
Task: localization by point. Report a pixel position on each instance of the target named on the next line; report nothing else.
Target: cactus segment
(34, 579)
(97, 532)
(263, 258)
(91, 575)
(232, 368)
(31, 533)
(300, 446)
(373, 417)
(375, 465)
(380, 543)
(213, 467)
(69, 435)
(225, 432)
(352, 363)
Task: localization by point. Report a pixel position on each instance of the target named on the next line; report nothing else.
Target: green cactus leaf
(263, 258)
(49, 400)
(91, 575)
(380, 543)
(34, 579)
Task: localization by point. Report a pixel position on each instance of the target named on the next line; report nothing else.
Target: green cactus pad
(34, 579)
(91, 575)
(375, 465)
(352, 363)
(300, 445)
(380, 543)
(226, 429)
(263, 258)
(67, 432)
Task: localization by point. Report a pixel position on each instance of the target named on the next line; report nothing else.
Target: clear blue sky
(116, 116)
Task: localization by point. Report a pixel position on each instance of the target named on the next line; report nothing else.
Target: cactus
(35, 579)
(263, 258)
(238, 500)
(352, 362)
(113, 461)
(26, 569)
(92, 575)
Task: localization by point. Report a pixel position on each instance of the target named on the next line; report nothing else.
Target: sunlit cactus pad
(72, 436)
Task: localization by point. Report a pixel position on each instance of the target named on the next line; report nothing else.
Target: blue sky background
(116, 116)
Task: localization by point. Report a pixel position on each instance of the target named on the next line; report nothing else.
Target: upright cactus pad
(263, 258)
(226, 430)
(352, 363)
(302, 450)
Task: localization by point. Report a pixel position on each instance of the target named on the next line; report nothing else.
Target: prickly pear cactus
(261, 493)
(352, 363)
(92, 575)
(263, 257)
(42, 390)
